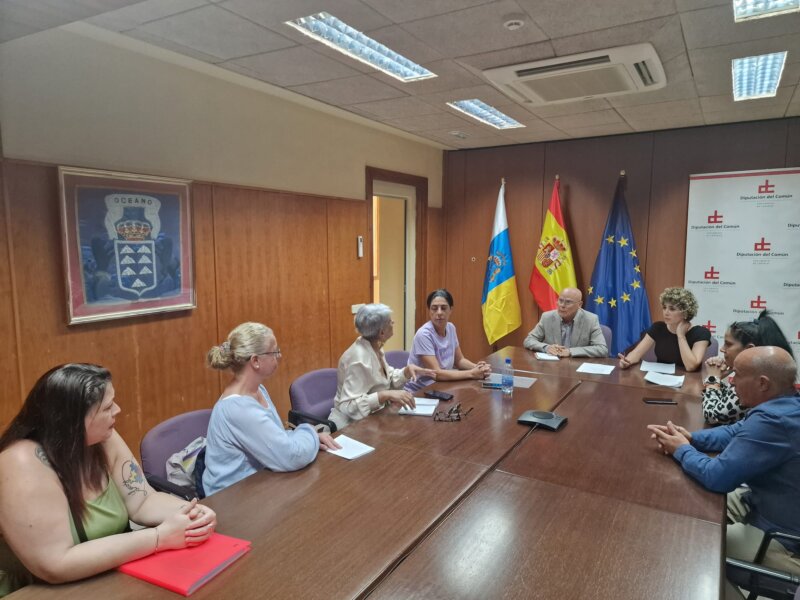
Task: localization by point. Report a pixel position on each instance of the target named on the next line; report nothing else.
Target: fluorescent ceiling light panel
(337, 34)
(756, 9)
(485, 114)
(757, 76)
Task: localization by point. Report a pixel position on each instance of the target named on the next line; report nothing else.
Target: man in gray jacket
(569, 330)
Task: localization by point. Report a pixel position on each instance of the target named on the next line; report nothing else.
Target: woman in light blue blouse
(245, 433)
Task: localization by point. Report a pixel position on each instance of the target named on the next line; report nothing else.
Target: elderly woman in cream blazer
(366, 383)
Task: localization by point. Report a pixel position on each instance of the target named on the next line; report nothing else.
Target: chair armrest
(768, 537)
(160, 484)
(733, 563)
(296, 417)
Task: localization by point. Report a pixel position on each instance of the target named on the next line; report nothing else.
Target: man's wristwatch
(711, 380)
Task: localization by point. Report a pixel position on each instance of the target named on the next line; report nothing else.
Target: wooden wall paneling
(348, 276)
(793, 143)
(45, 339)
(453, 212)
(171, 348)
(11, 394)
(589, 170)
(683, 152)
(437, 249)
(272, 267)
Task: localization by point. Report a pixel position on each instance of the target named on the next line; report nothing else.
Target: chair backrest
(712, 350)
(608, 335)
(313, 393)
(397, 358)
(170, 436)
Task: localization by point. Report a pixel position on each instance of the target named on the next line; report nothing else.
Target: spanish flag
(553, 269)
(500, 302)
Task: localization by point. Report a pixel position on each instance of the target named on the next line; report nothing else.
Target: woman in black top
(675, 340)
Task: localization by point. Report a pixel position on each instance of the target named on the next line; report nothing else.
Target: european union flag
(616, 294)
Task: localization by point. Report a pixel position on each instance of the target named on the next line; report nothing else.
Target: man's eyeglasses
(453, 414)
(566, 302)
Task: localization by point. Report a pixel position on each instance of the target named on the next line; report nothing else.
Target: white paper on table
(546, 356)
(520, 382)
(595, 368)
(350, 448)
(674, 381)
(658, 367)
(425, 408)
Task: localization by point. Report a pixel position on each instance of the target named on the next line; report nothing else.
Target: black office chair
(763, 581)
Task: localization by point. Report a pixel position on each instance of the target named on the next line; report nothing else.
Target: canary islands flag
(553, 268)
(500, 302)
(616, 294)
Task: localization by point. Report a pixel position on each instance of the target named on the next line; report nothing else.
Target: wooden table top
(515, 537)
(483, 437)
(567, 367)
(605, 448)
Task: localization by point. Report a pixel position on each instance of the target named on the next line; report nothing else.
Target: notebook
(425, 407)
(350, 448)
(185, 570)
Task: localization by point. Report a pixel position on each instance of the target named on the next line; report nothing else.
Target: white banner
(743, 249)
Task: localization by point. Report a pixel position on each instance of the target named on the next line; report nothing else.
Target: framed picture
(127, 244)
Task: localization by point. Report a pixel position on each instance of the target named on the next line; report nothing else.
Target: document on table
(674, 381)
(546, 356)
(595, 368)
(350, 448)
(658, 367)
(425, 408)
(520, 382)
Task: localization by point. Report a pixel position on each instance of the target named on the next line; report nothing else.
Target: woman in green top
(66, 476)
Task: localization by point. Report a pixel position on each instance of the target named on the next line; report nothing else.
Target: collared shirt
(763, 451)
(566, 333)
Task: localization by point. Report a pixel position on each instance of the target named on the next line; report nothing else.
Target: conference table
(483, 507)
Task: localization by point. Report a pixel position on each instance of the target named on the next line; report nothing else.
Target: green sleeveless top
(104, 516)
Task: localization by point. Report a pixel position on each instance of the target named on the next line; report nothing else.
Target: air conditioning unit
(598, 74)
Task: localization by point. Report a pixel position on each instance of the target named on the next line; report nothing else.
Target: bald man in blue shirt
(761, 451)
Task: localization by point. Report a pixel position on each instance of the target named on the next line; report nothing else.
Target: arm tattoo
(132, 477)
(42, 456)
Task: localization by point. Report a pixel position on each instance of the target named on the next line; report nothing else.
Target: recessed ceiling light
(757, 76)
(337, 34)
(485, 114)
(756, 9)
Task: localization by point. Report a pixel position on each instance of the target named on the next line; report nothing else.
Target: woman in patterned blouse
(720, 402)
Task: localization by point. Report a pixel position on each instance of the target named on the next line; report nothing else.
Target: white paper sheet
(546, 356)
(520, 382)
(658, 367)
(595, 368)
(674, 381)
(350, 448)
(425, 408)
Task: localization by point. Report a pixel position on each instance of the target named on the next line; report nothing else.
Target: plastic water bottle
(507, 381)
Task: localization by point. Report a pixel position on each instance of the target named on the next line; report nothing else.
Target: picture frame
(127, 244)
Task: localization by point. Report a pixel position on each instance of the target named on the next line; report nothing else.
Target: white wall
(82, 96)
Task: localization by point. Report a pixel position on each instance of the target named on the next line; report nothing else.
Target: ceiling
(457, 39)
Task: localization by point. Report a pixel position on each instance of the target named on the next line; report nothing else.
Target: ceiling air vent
(598, 74)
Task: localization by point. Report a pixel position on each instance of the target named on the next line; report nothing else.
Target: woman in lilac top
(436, 347)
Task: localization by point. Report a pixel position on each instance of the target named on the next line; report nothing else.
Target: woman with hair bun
(675, 339)
(245, 433)
(720, 401)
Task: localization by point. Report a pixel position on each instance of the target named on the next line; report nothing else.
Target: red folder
(186, 570)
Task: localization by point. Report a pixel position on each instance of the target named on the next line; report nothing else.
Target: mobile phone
(659, 401)
(438, 395)
(491, 386)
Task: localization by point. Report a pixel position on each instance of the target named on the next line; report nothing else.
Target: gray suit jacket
(587, 337)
